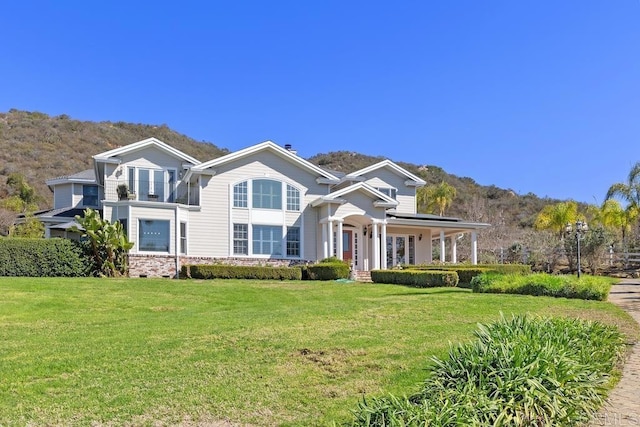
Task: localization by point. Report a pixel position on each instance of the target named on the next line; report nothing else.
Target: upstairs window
(240, 195)
(267, 194)
(90, 195)
(293, 198)
(388, 191)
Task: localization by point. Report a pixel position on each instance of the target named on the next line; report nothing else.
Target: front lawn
(146, 352)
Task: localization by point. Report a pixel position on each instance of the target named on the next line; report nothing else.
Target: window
(172, 186)
(267, 240)
(293, 241)
(90, 195)
(240, 195)
(293, 198)
(412, 250)
(153, 235)
(391, 192)
(151, 184)
(267, 194)
(183, 237)
(240, 239)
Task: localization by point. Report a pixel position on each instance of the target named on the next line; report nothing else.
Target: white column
(325, 243)
(442, 246)
(383, 242)
(427, 235)
(339, 248)
(454, 249)
(330, 232)
(365, 251)
(474, 247)
(376, 247)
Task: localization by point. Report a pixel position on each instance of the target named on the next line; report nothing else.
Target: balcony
(160, 192)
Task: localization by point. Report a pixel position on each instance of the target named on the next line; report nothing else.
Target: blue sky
(537, 96)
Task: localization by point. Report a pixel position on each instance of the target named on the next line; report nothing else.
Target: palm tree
(556, 217)
(437, 196)
(628, 192)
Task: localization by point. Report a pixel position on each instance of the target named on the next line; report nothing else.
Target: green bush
(42, 258)
(222, 271)
(542, 284)
(419, 279)
(466, 272)
(328, 270)
(519, 372)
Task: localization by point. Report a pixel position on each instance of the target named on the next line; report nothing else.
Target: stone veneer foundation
(165, 265)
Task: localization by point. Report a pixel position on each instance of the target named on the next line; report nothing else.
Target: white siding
(405, 195)
(359, 203)
(213, 224)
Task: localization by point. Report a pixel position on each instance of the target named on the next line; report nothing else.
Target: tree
(31, 228)
(108, 244)
(23, 198)
(437, 197)
(556, 217)
(628, 192)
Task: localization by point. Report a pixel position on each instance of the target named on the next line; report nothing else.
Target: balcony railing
(183, 192)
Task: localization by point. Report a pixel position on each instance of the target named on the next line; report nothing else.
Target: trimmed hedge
(467, 272)
(416, 278)
(222, 271)
(327, 271)
(42, 258)
(542, 284)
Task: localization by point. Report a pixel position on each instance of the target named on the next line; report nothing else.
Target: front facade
(260, 205)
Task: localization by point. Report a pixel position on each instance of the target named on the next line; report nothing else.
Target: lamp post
(581, 228)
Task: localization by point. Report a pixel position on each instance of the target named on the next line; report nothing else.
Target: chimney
(289, 148)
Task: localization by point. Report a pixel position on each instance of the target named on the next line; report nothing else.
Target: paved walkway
(623, 406)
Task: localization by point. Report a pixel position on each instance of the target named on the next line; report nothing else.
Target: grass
(143, 351)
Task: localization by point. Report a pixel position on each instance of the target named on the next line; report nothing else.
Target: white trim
(107, 155)
(266, 145)
(385, 201)
(418, 182)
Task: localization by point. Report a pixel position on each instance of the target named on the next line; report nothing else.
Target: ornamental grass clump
(521, 371)
(542, 284)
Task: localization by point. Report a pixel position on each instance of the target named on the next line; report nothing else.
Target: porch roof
(450, 224)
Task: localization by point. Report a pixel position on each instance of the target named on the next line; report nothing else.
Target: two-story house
(260, 205)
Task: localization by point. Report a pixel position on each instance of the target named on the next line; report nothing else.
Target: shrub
(328, 270)
(42, 258)
(419, 279)
(467, 272)
(222, 271)
(543, 284)
(522, 371)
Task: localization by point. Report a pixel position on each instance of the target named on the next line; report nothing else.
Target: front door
(347, 247)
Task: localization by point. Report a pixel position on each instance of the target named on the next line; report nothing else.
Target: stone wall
(165, 265)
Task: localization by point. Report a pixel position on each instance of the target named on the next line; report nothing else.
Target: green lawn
(156, 352)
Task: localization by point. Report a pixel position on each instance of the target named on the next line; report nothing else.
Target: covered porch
(373, 243)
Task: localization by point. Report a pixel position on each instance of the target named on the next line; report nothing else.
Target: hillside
(41, 147)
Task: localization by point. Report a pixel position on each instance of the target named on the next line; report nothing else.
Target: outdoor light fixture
(581, 229)
(420, 237)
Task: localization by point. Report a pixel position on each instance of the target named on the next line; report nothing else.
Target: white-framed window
(240, 195)
(89, 195)
(293, 198)
(240, 239)
(183, 237)
(266, 194)
(152, 184)
(293, 241)
(389, 191)
(267, 240)
(153, 235)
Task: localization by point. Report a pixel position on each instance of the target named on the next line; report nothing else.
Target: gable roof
(149, 142)
(413, 180)
(266, 146)
(336, 197)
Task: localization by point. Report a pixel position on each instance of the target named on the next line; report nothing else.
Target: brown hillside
(42, 147)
